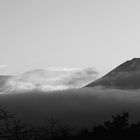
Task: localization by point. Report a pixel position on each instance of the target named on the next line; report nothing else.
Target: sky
(68, 33)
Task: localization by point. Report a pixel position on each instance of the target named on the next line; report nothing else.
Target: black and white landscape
(69, 69)
(114, 93)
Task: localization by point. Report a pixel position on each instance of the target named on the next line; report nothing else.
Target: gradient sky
(68, 33)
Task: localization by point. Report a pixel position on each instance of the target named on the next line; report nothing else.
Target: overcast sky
(68, 33)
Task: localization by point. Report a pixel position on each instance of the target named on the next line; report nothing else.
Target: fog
(79, 107)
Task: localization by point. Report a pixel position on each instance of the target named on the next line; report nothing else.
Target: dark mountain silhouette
(125, 76)
(119, 127)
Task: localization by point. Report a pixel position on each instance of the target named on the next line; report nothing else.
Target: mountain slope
(125, 76)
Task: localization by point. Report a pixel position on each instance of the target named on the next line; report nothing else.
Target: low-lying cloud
(52, 79)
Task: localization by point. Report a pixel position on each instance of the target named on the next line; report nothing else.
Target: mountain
(125, 76)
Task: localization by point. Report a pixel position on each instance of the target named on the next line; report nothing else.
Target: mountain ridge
(125, 76)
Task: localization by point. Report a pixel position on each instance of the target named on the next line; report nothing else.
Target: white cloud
(81, 78)
(62, 69)
(3, 66)
(52, 79)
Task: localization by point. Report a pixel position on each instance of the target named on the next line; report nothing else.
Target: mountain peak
(135, 59)
(125, 76)
(129, 66)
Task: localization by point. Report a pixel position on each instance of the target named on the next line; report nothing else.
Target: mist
(78, 108)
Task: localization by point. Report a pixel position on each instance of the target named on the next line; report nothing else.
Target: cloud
(52, 79)
(3, 66)
(81, 77)
(62, 69)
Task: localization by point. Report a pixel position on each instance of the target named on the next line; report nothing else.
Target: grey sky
(68, 33)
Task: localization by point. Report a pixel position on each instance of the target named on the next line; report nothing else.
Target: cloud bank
(51, 79)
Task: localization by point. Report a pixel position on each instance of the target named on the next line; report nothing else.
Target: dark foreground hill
(118, 127)
(125, 76)
(77, 108)
(41, 113)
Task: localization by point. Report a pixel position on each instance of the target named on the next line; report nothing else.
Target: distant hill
(125, 76)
